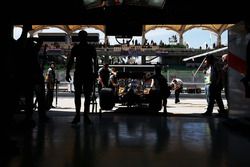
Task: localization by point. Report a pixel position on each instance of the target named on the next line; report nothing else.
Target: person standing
(207, 81)
(30, 73)
(39, 86)
(177, 85)
(160, 83)
(104, 76)
(7, 144)
(114, 81)
(25, 73)
(84, 76)
(50, 82)
(215, 87)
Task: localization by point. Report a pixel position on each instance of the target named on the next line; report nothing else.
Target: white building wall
(239, 104)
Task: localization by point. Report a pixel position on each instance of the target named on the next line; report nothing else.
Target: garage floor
(131, 140)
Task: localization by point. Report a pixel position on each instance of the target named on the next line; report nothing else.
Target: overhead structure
(143, 12)
(66, 28)
(90, 4)
(139, 30)
(217, 29)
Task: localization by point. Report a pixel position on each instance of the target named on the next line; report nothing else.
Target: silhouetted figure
(160, 83)
(50, 83)
(25, 72)
(30, 75)
(215, 87)
(206, 46)
(85, 74)
(9, 74)
(40, 85)
(42, 60)
(8, 147)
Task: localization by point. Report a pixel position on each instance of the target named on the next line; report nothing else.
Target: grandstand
(171, 57)
(63, 39)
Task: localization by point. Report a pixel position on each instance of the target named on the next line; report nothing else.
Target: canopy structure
(66, 28)
(217, 29)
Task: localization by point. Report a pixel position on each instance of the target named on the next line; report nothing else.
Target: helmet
(147, 75)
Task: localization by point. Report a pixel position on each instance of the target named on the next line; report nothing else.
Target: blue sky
(195, 37)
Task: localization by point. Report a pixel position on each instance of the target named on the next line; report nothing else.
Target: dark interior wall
(73, 12)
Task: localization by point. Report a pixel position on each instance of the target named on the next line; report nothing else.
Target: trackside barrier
(187, 87)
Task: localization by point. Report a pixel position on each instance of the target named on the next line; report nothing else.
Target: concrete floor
(132, 140)
(189, 104)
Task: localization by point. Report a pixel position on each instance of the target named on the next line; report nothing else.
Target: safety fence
(191, 83)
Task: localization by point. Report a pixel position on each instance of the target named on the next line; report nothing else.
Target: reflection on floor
(124, 140)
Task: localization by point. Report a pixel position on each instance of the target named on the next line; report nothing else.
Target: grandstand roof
(216, 28)
(68, 28)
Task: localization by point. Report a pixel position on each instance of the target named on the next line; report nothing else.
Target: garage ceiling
(74, 12)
